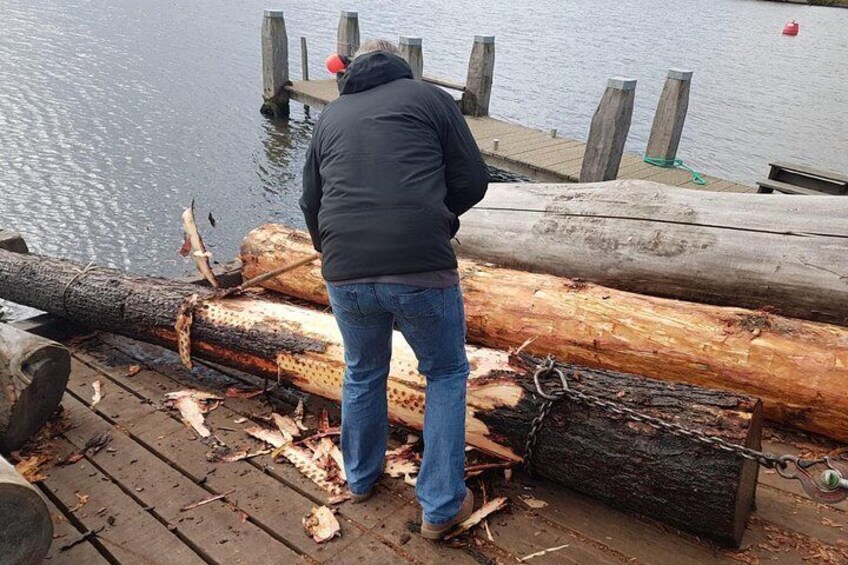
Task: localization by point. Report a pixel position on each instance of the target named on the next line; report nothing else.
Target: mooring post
(304, 60)
(411, 50)
(670, 116)
(348, 36)
(478, 85)
(275, 64)
(608, 131)
(12, 241)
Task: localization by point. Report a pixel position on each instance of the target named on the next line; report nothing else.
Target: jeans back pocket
(344, 300)
(422, 303)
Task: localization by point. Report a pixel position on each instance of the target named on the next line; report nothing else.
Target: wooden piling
(348, 35)
(12, 241)
(481, 68)
(411, 50)
(275, 64)
(608, 131)
(304, 67)
(670, 116)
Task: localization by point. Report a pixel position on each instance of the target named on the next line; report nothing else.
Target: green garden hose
(674, 164)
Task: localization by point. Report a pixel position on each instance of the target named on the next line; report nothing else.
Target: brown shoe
(438, 531)
(360, 498)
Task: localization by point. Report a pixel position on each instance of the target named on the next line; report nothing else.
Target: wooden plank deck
(154, 465)
(531, 152)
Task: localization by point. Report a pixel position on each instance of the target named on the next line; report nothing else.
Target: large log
(26, 529)
(33, 375)
(798, 368)
(672, 479)
(730, 249)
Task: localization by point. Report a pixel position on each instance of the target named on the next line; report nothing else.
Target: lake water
(115, 114)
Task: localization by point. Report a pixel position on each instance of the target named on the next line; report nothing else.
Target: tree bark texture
(798, 368)
(748, 250)
(632, 466)
(33, 375)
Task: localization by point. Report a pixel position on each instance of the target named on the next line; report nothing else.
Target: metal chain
(767, 460)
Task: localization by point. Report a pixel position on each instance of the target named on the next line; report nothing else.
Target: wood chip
(235, 392)
(30, 467)
(321, 524)
(490, 507)
(323, 421)
(298, 416)
(98, 393)
(402, 462)
(533, 502)
(133, 370)
(301, 458)
(543, 552)
(192, 405)
(240, 420)
(82, 500)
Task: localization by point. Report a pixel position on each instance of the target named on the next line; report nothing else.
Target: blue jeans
(433, 322)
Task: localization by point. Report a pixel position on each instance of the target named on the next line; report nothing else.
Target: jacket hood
(371, 70)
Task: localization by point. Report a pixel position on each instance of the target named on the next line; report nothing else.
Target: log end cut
(26, 529)
(33, 374)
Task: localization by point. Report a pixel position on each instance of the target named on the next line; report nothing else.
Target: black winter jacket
(391, 165)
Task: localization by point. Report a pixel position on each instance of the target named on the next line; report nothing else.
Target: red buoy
(791, 28)
(336, 63)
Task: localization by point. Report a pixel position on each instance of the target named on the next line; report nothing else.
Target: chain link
(765, 459)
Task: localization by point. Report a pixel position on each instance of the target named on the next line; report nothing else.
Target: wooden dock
(124, 503)
(531, 152)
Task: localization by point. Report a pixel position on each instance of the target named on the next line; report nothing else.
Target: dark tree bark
(675, 480)
(26, 529)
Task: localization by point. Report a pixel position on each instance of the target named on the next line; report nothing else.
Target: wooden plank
(318, 93)
(801, 515)
(214, 529)
(807, 170)
(638, 538)
(485, 126)
(670, 176)
(64, 532)
(260, 475)
(544, 150)
(269, 502)
(516, 149)
(129, 533)
(520, 535)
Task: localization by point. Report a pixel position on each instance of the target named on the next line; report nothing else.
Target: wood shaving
(133, 370)
(192, 405)
(543, 552)
(323, 421)
(98, 393)
(30, 467)
(235, 392)
(286, 424)
(298, 416)
(402, 461)
(477, 516)
(271, 437)
(301, 458)
(82, 500)
(321, 524)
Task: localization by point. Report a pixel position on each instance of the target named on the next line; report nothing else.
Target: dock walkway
(532, 152)
(125, 503)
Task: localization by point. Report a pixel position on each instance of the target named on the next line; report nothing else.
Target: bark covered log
(26, 529)
(729, 249)
(799, 369)
(672, 479)
(33, 375)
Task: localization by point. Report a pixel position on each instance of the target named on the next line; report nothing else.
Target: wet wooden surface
(532, 152)
(135, 488)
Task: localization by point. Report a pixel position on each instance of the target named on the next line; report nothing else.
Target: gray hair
(374, 45)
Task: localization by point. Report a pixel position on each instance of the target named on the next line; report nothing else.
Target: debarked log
(672, 479)
(33, 375)
(799, 369)
(729, 249)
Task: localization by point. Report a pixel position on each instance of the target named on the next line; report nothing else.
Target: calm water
(115, 114)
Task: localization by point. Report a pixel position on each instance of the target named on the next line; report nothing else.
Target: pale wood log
(608, 131)
(348, 34)
(411, 50)
(481, 70)
(33, 375)
(788, 254)
(670, 116)
(26, 529)
(799, 369)
(581, 447)
(275, 64)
